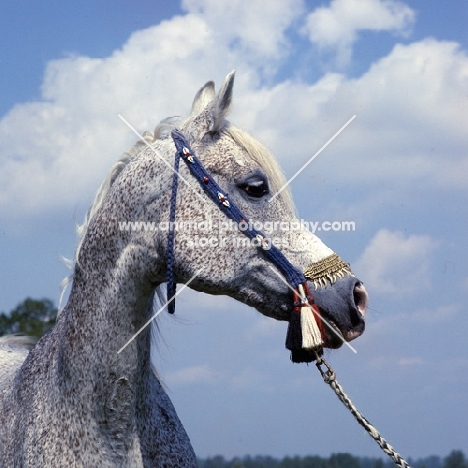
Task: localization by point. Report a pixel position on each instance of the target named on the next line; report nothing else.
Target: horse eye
(255, 188)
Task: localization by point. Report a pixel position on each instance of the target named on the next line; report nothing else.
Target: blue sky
(303, 69)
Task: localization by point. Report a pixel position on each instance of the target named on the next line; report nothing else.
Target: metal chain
(329, 378)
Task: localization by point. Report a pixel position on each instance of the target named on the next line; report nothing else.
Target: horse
(86, 395)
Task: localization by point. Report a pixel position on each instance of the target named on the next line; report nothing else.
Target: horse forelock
(264, 158)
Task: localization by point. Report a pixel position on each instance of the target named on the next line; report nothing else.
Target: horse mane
(263, 157)
(256, 150)
(81, 229)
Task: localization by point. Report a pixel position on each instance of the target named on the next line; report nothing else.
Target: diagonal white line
(159, 311)
(312, 158)
(329, 325)
(159, 156)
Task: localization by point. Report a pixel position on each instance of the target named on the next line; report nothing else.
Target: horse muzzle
(342, 306)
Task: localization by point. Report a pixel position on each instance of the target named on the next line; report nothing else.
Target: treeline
(456, 459)
(31, 318)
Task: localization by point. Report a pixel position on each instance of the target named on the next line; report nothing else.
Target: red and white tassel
(311, 334)
(304, 335)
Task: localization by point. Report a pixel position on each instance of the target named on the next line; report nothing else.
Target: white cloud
(409, 131)
(441, 314)
(56, 150)
(254, 29)
(203, 374)
(396, 264)
(336, 27)
(410, 125)
(200, 374)
(392, 327)
(410, 361)
(438, 317)
(248, 378)
(411, 338)
(391, 361)
(265, 328)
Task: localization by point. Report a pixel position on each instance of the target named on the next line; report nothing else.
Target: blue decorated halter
(302, 300)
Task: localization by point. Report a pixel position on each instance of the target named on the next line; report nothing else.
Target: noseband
(305, 331)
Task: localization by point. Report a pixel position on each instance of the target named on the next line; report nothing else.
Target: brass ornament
(327, 270)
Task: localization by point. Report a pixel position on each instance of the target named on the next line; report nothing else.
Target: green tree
(455, 459)
(289, 462)
(343, 460)
(215, 462)
(237, 464)
(32, 318)
(314, 462)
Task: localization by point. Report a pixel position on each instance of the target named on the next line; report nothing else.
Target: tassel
(304, 335)
(311, 334)
(294, 335)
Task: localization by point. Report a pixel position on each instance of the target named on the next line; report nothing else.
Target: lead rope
(329, 378)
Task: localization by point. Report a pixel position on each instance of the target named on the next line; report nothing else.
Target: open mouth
(335, 337)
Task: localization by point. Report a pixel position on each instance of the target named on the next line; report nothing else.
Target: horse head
(212, 253)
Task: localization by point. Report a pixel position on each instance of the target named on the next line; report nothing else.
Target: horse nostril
(360, 297)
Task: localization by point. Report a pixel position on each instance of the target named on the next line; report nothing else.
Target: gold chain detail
(327, 270)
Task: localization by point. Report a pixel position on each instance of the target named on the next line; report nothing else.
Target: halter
(305, 330)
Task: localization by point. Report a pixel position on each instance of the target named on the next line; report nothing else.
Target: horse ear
(209, 111)
(222, 104)
(204, 96)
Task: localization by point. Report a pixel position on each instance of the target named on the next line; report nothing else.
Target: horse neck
(109, 303)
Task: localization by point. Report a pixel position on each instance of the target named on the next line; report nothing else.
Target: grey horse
(74, 400)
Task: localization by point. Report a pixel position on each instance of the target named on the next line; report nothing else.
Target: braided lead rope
(329, 378)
